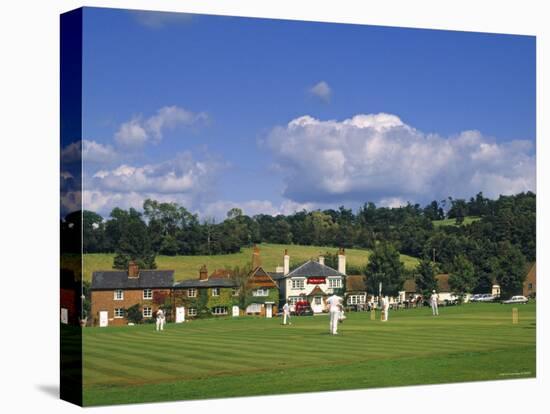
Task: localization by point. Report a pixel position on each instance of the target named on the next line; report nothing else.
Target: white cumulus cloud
(378, 157)
(182, 179)
(322, 91)
(138, 130)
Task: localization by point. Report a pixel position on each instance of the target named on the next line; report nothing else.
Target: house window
(215, 291)
(192, 312)
(192, 293)
(235, 291)
(254, 308)
(119, 313)
(356, 299)
(219, 310)
(260, 292)
(292, 300)
(530, 286)
(318, 300)
(335, 283)
(119, 294)
(147, 312)
(147, 293)
(298, 283)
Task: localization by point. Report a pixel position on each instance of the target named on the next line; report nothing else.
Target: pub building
(313, 281)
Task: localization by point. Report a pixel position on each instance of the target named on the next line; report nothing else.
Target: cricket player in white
(286, 314)
(385, 308)
(160, 320)
(335, 307)
(433, 300)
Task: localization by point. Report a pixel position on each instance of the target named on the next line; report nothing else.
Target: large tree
(424, 277)
(509, 269)
(384, 267)
(134, 243)
(462, 279)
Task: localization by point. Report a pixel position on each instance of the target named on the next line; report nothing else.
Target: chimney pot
(203, 273)
(321, 260)
(286, 263)
(133, 269)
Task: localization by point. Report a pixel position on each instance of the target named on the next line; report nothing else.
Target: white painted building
(313, 281)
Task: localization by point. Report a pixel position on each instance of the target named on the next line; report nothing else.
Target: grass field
(186, 267)
(452, 221)
(254, 356)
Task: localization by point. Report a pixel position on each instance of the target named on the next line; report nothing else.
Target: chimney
(322, 260)
(342, 261)
(256, 261)
(133, 269)
(203, 273)
(279, 269)
(286, 263)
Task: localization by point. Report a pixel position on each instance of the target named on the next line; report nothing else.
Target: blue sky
(272, 116)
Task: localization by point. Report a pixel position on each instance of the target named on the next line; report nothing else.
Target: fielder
(335, 309)
(433, 300)
(385, 308)
(286, 314)
(160, 320)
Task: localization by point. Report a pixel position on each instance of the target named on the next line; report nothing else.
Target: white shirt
(434, 297)
(286, 308)
(334, 302)
(160, 314)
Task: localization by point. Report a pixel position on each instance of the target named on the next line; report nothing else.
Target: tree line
(500, 240)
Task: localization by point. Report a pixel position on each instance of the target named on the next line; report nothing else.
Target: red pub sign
(316, 280)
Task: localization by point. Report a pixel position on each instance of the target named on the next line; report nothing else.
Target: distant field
(186, 267)
(254, 356)
(452, 222)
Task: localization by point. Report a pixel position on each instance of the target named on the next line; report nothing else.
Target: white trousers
(286, 318)
(435, 311)
(334, 315)
(160, 324)
(386, 312)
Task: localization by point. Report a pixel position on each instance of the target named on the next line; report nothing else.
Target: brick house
(261, 296)
(530, 283)
(216, 295)
(112, 292)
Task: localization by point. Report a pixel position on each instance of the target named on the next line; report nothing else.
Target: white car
(516, 299)
(486, 297)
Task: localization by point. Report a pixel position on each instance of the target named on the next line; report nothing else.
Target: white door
(268, 311)
(180, 314)
(64, 315)
(103, 319)
(235, 311)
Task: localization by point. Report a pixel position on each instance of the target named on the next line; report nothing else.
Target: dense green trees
(505, 225)
(424, 277)
(462, 279)
(385, 267)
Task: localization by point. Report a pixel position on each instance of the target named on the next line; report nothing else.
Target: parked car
(486, 297)
(302, 308)
(475, 298)
(516, 299)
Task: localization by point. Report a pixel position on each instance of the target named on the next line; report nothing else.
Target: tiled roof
(197, 283)
(118, 279)
(317, 291)
(276, 275)
(356, 283)
(311, 268)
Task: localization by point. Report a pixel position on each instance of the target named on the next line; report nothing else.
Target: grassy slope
(253, 356)
(452, 222)
(186, 267)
